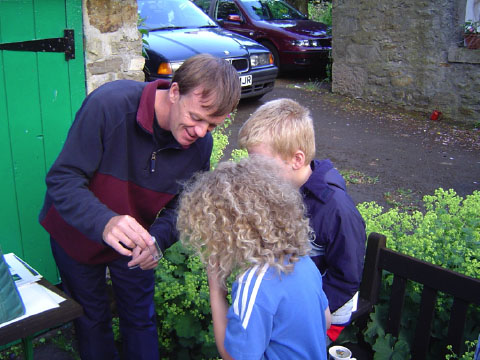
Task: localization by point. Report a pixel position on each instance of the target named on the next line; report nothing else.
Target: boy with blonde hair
(283, 129)
(244, 218)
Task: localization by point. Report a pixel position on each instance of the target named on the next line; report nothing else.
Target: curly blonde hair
(243, 214)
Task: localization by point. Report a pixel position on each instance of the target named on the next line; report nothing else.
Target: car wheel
(274, 51)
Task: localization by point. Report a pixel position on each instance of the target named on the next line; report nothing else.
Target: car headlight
(261, 59)
(306, 43)
(168, 68)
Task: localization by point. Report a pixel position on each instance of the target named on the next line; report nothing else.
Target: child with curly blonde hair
(244, 218)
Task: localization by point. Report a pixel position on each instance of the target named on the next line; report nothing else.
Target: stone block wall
(408, 53)
(113, 46)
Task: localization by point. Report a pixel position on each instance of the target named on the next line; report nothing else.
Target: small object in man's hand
(156, 252)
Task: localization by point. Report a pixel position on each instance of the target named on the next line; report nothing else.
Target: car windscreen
(271, 10)
(171, 14)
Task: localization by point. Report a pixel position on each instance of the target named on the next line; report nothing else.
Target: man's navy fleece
(340, 233)
(117, 161)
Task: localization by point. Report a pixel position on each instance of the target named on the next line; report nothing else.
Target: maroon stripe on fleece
(127, 198)
(123, 197)
(75, 244)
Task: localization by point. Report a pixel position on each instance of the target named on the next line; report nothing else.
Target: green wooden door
(39, 95)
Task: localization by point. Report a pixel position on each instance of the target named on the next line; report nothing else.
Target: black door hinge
(64, 44)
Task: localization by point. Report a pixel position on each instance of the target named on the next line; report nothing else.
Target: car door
(227, 14)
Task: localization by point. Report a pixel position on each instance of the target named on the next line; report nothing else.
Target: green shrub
(220, 140)
(446, 234)
(183, 307)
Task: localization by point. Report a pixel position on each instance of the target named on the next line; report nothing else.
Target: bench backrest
(465, 290)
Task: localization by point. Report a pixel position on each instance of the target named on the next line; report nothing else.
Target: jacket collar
(146, 109)
(316, 183)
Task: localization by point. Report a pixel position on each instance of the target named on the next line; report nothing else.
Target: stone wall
(408, 53)
(113, 46)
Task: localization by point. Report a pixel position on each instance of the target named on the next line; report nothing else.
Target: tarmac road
(409, 154)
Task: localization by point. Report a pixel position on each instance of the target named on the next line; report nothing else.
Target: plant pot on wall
(472, 41)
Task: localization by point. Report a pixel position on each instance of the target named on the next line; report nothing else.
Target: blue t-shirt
(278, 316)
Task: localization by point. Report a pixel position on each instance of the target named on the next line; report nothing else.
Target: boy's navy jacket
(117, 161)
(339, 246)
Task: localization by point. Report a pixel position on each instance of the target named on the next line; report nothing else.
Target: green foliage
(59, 339)
(64, 343)
(446, 234)
(321, 11)
(183, 307)
(11, 353)
(144, 32)
(471, 27)
(468, 355)
(116, 329)
(357, 177)
(220, 140)
(238, 154)
(402, 198)
(328, 69)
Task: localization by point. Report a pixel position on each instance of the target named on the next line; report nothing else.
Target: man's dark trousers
(133, 289)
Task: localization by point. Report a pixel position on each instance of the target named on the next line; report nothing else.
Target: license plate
(246, 80)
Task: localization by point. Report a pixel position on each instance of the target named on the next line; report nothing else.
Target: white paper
(36, 299)
(54, 296)
(21, 272)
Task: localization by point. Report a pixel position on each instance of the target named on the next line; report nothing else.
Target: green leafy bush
(446, 234)
(220, 140)
(468, 355)
(183, 307)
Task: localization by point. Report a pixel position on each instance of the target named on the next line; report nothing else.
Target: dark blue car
(178, 29)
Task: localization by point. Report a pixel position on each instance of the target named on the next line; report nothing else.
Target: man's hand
(124, 231)
(143, 258)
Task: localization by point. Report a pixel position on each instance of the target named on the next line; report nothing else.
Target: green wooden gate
(40, 92)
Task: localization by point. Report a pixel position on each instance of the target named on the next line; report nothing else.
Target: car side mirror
(234, 18)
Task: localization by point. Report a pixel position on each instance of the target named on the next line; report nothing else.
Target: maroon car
(294, 40)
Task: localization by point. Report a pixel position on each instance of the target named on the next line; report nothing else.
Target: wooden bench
(465, 290)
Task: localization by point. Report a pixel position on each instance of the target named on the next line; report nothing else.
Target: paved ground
(408, 154)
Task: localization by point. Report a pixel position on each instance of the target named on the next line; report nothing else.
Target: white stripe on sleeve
(245, 291)
(237, 295)
(253, 297)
